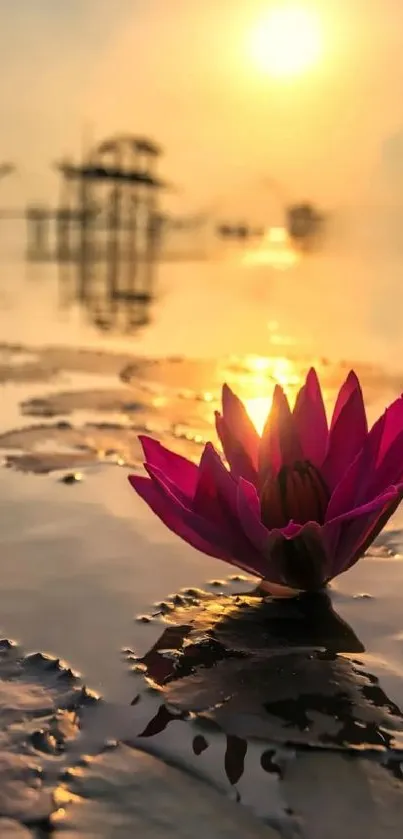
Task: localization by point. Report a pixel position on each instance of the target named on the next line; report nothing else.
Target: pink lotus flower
(297, 506)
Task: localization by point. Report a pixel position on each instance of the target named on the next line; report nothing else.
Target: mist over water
(239, 143)
(344, 302)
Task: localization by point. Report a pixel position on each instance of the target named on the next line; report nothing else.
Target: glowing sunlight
(287, 41)
(275, 249)
(257, 389)
(258, 408)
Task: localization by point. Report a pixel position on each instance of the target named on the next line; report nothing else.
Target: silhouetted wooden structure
(304, 224)
(109, 234)
(107, 223)
(238, 232)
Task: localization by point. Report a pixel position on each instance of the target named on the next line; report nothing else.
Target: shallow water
(84, 563)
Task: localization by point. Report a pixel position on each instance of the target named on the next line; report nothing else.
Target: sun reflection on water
(275, 249)
(256, 380)
(254, 377)
(258, 408)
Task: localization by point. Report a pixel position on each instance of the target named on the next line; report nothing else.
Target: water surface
(91, 579)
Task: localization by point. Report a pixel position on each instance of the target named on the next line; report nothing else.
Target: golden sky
(182, 72)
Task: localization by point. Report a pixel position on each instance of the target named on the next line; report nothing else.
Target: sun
(287, 41)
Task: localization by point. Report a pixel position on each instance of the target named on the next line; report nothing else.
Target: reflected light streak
(275, 250)
(257, 386)
(258, 408)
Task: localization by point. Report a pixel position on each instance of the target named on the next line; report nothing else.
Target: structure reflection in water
(119, 312)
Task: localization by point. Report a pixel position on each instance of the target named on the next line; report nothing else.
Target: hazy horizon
(73, 74)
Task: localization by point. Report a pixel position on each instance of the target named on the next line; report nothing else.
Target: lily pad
(47, 447)
(287, 672)
(40, 704)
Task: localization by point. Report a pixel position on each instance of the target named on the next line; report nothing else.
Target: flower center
(296, 493)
